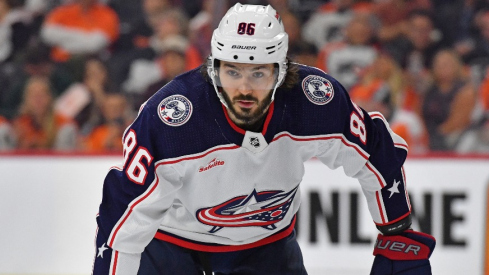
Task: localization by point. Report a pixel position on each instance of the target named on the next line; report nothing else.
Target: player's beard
(246, 118)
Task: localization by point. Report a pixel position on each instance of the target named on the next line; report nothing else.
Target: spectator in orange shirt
(81, 28)
(107, 136)
(37, 127)
(383, 88)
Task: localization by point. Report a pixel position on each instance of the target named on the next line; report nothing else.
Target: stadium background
(70, 85)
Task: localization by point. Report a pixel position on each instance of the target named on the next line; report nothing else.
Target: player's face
(247, 90)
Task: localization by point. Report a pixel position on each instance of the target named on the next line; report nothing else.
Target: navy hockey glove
(405, 254)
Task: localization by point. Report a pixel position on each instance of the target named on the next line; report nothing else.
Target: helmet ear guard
(252, 34)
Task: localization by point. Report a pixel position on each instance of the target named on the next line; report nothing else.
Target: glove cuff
(398, 247)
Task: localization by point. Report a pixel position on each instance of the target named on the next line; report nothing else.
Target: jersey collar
(243, 132)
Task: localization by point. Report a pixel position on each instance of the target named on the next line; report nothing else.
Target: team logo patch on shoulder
(318, 89)
(175, 110)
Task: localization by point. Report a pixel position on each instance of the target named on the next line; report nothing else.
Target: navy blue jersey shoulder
(178, 129)
(186, 117)
(317, 105)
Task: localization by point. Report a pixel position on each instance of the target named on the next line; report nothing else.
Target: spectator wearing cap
(171, 25)
(84, 27)
(171, 62)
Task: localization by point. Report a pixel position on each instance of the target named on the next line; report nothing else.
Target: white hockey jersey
(193, 178)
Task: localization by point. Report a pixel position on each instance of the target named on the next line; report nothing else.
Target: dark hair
(290, 80)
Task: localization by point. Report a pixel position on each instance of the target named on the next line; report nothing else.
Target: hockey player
(213, 164)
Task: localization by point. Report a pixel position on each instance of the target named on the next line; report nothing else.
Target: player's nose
(244, 87)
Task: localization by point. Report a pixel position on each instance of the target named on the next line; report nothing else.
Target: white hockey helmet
(252, 34)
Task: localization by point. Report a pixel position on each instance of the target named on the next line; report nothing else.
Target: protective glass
(245, 78)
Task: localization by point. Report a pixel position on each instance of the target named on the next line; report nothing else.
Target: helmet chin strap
(212, 74)
(280, 78)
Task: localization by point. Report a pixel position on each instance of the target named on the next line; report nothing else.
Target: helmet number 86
(248, 28)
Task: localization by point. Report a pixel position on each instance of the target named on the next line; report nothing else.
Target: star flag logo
(263, 209)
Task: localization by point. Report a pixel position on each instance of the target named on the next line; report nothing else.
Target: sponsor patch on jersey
(318, 89)
(213, 163)
(175, 110)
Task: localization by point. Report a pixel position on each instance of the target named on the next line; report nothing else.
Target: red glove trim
(400, 248)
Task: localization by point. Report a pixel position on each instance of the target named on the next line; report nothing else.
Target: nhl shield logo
(175, 110)
(255, 142)
(318, 89)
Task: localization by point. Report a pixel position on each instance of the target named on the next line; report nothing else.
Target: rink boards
(48, 205)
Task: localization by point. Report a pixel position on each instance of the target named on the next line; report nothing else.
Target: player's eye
(258, 74)
(233, 73)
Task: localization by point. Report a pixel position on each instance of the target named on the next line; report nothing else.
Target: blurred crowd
(73, 73)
